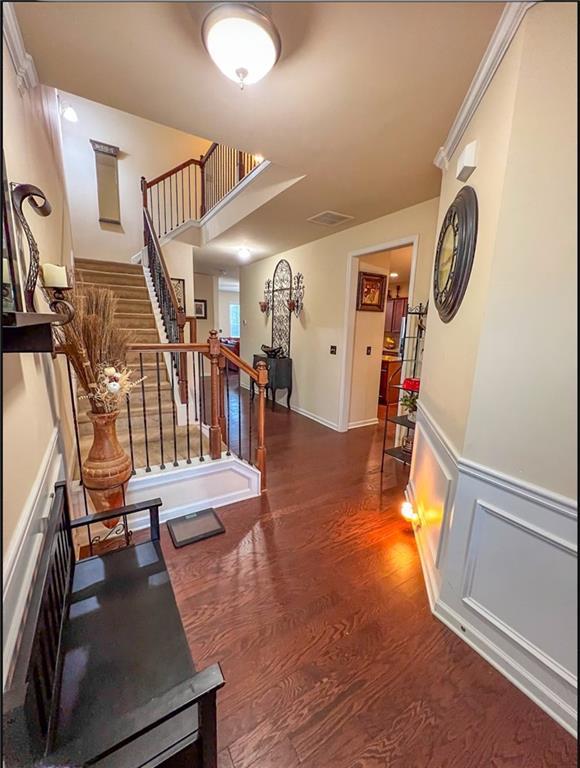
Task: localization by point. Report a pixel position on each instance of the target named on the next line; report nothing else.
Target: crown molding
(26, 75)
(506, 28)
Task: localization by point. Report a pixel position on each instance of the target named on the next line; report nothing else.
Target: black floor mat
(194, 527)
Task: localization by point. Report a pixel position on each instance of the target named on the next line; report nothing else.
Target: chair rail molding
(26, 75)
(503, 34)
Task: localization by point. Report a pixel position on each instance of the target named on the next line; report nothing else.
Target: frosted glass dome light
(243, 43)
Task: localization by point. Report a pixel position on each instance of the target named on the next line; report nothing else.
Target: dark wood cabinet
(399, 312)
(396, 310)
(390, 376)
(279, 376)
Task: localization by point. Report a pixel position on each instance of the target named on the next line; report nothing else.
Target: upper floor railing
(190, 190)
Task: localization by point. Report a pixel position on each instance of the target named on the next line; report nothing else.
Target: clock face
(454, 255)
(447, 255)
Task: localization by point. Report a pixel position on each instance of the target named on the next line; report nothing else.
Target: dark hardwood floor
(314, 604)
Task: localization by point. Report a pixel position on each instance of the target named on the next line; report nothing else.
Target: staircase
(135, 313)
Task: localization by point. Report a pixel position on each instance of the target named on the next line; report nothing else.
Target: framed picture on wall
(200, 309)
(179, 288)
(371, 292)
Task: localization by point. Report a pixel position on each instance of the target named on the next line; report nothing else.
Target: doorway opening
(373, 338)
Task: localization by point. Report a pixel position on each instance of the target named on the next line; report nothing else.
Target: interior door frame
(350, 316)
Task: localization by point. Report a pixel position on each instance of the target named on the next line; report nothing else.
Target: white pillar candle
(54, 276)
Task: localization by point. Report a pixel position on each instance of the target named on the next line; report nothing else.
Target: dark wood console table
(279, 376)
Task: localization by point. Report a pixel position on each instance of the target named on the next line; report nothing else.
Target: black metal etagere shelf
(411, 351)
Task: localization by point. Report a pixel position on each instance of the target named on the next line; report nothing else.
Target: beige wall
(179, 259)
(32, 383)
(146, 149)
(369, 330)
(523, 416)
(451, 348)
(317, 373)
(205, 288)
(500, 379)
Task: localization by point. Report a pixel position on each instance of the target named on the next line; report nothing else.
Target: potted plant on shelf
(97, 350)
(409, 403)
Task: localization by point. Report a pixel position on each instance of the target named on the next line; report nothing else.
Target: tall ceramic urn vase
(107, 468)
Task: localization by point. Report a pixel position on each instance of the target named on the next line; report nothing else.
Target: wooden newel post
(221, 414)
(215, 435)
(262, 382)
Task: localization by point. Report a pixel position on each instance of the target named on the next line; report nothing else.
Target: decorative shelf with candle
(29, 331)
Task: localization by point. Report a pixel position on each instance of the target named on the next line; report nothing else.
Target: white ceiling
(360, 101)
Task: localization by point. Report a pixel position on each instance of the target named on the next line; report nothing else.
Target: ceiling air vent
(329, 218)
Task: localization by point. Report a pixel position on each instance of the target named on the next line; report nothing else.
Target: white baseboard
(364, 423)
(22, 553)
(515, 673)
(302, 411)
(325, 422)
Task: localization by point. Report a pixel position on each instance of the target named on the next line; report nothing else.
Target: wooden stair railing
(218, 354)
(191, 189)
(174, 318)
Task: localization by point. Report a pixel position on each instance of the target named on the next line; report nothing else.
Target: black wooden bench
(103, 674)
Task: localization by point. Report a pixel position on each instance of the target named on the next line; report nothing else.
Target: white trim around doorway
(350, 315)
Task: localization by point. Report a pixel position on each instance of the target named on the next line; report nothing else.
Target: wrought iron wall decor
(56, 299)
(281, 315)
(283, 295)
(11, 297)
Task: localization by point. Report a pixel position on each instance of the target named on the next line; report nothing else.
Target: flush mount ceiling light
(68, 113)
(244, 253)
(242, 41)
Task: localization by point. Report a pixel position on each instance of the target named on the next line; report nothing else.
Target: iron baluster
(228, 416)
(147, 466)
(175, 462)
(77, 439)
(187, 413)
(127, 399)
(200, 422)
(240, 450)
(162, 465)
(249, 431)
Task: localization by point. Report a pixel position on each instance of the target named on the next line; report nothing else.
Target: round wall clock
(454, 254)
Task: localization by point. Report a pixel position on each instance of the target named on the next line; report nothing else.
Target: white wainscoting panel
(499, 557)
(431, 489)
(509, 586)
(22, 553)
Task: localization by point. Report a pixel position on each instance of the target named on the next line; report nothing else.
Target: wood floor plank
(314, 603)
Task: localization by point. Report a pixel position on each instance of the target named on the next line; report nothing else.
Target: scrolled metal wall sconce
(54, 294)
(266, 304)
(296, 302)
